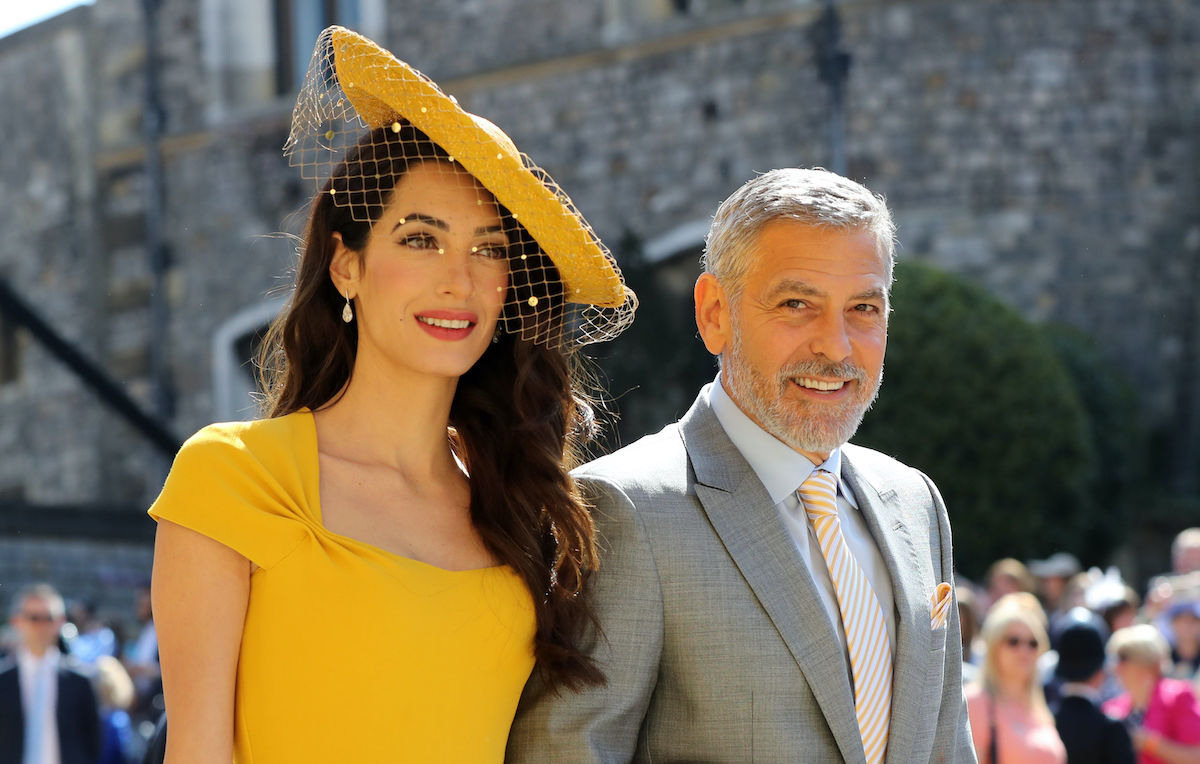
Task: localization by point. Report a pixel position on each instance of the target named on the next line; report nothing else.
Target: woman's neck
(1012, 691)
(391, 420)
(1140, 691)
(1187, 649)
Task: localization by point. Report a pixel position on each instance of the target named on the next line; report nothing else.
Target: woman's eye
(491, 251)
(419, 241)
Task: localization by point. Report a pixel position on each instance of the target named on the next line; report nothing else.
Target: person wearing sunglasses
(1010, 721)
(1162, 714)
(48, 711)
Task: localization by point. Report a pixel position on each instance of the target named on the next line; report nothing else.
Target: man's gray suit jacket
(714, 640)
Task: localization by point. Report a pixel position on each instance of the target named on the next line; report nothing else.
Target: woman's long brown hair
(519, 417)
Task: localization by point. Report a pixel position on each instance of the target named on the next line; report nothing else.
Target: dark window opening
(298, 23)
(14, 493)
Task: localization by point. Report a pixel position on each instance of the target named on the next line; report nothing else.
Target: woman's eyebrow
(421, 218)
(442, 225)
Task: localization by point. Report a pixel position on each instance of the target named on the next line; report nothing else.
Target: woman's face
(431, 281)
(1133, 673)
(1125, 616)
(1002, 584)
(1017, 652)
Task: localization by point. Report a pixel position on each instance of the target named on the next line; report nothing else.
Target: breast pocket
(937, 639)
(937, 662)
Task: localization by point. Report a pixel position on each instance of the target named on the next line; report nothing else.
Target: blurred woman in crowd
(1162, 713)
(1184, 617)
(968, 617)
(1121, 611)
(114, 690)
(1009, 718)
(1006, 576)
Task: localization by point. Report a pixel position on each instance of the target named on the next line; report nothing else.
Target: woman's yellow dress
(349, 653)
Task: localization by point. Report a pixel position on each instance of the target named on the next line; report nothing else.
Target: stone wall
(50, 253)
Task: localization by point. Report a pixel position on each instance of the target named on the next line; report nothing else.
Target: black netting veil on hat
(363, 118)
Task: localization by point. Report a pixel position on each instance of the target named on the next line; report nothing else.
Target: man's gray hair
(1188, 538)
(42, 591)
(814, 197)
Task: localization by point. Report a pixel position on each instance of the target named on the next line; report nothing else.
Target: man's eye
(795, 304)
(867, 308)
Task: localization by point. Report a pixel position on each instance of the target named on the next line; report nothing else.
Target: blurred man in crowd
(1185, 552)
(88, 638)
(1052, 575)
(1089, 735)
(48, 711)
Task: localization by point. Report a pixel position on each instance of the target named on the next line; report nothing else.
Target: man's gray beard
(804, 427)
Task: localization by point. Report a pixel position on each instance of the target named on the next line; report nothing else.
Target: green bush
(976, 397)
(1115, 429)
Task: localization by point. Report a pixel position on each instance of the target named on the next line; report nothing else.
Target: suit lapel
(912, 586)
(743, 516)
(62, 705)
(10, 698)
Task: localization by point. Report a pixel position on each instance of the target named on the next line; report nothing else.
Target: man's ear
(712, 313)
(344, 268)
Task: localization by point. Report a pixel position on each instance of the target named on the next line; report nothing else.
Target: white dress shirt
(30, 671)
(782, 470)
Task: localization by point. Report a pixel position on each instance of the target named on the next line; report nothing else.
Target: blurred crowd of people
(1063, 664)
(76, 688)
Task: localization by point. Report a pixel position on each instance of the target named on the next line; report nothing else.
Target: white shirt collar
(29, 659)
(779, 467)
(1081, 690)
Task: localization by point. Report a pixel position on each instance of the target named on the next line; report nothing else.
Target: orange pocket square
(942, 597)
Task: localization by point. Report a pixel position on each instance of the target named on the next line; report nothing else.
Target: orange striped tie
(862, 617)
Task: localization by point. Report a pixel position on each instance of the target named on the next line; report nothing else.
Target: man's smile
(818, 384)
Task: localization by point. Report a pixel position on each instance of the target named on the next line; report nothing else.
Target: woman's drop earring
(496, 334)
(347, 312)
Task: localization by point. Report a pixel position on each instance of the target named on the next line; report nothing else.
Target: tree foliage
(1114, 428)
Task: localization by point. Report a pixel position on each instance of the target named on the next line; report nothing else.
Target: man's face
(1053, 588)
(37, 625)
(803, 354)
(1186, 626)
(1187, 559)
